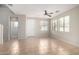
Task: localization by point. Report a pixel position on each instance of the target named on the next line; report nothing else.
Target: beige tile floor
(37, 46)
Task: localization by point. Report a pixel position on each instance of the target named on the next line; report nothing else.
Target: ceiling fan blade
(49, 15)
(45, 12)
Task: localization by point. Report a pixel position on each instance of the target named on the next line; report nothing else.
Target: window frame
(44, 25)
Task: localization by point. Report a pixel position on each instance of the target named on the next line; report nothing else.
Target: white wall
(71, 37)
(36, 32)
(22, 26)
(5, 14)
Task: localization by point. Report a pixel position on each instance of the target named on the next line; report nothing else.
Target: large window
(44, 25)
(67, 24)
(55, 25)
(62, 24)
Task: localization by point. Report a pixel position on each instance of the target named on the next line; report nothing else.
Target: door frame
(9, 27)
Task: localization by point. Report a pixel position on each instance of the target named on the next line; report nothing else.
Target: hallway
(37, 46)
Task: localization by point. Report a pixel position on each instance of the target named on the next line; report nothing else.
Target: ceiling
(37, 10)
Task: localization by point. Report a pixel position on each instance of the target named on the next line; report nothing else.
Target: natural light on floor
(15, 48)
(62, 51)
(43, 46)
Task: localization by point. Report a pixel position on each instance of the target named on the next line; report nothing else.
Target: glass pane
(44, 28)
(67, 19)
(55, 25)
(66, 29)
(66, 23)
(61, 29)
(16, 24)
(61, 21)
(61, 24)
(14, 29)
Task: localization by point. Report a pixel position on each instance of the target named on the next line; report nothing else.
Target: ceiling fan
(48, 14)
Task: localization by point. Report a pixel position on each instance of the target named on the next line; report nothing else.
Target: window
(44, 28)
(66, 23)
(44, 25)
(61, 24)
(55, 25)
(14, 23)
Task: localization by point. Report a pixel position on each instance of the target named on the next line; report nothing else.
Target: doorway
(14, 27)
